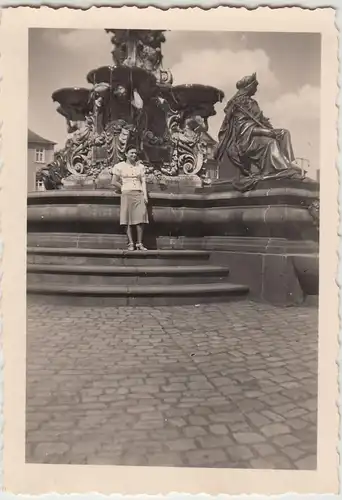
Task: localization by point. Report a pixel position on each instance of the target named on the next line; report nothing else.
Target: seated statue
(251, 143)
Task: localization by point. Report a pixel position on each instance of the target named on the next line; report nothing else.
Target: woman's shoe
(140, 246)
(130, 247)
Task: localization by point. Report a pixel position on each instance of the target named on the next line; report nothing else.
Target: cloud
(71, 54)
(86, 43)
(223, 68)
(303, 105)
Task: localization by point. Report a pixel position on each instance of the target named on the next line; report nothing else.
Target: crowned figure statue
(257, 149)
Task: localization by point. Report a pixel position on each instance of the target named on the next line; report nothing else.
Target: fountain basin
(74, 102)
(132, 77)
(192, 94)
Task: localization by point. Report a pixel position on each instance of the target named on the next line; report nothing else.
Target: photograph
(174, 188)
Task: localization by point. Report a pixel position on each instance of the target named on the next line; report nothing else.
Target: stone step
(124, 275)
(112, 257)
(135, 295)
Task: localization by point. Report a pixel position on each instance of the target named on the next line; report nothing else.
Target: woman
(129, 178)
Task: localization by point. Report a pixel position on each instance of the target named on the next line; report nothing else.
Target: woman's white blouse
(131, 176)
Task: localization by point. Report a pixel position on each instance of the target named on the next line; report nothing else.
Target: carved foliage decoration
(117, 135)
(188, 152)
(79, 150)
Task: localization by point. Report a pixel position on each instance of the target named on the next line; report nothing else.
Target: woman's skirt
(133, 208)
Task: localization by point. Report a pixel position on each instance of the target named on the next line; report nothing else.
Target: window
(40, 155)
(40, 185)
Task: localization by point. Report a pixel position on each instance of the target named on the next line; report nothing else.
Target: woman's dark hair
(130, 149)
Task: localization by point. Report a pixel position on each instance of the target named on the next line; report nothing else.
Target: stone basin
(278, 212)
(74, 102)
(135, 77)
(194, 95)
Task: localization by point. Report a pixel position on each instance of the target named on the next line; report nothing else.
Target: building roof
(37, 139)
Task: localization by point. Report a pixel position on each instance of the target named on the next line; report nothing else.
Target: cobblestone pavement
(223, 385)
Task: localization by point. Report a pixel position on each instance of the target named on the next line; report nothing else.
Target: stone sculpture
(133, 102)
(257, 149)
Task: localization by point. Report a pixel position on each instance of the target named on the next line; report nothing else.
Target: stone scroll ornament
(77, 157)
(73, 160)
(250, 142)
(188, 154)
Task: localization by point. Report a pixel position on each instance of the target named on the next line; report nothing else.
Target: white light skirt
(133, 209)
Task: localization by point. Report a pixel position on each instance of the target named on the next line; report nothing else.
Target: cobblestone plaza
(219, 385)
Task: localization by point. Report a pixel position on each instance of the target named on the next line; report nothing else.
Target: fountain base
(267, 237)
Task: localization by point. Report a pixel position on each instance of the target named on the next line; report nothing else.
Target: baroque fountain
(259, 230)
(132, 102)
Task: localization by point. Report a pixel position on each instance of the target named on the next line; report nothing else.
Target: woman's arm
(116, 182)
(143, 183)
(116, 178)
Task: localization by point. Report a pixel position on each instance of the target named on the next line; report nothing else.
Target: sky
(287, 67)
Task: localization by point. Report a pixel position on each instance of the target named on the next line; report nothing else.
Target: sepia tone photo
(173, 289)
(173, 346)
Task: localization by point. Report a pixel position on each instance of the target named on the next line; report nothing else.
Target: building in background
(304, 165)
(211, 165)
(40, 152)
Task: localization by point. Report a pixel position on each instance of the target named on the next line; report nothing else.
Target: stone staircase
(121, 277)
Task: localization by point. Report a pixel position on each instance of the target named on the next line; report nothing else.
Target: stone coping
(118, 252)
(99, 195)
(137, 290)
(127, 270)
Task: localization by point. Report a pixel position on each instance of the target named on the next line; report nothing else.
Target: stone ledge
(137, 295)
(227, 185)
(128, 270)
(112, 245)
(276, 195)
(117, 252)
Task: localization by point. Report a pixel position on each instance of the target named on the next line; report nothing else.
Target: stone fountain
(263, 237)
(130, 102)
